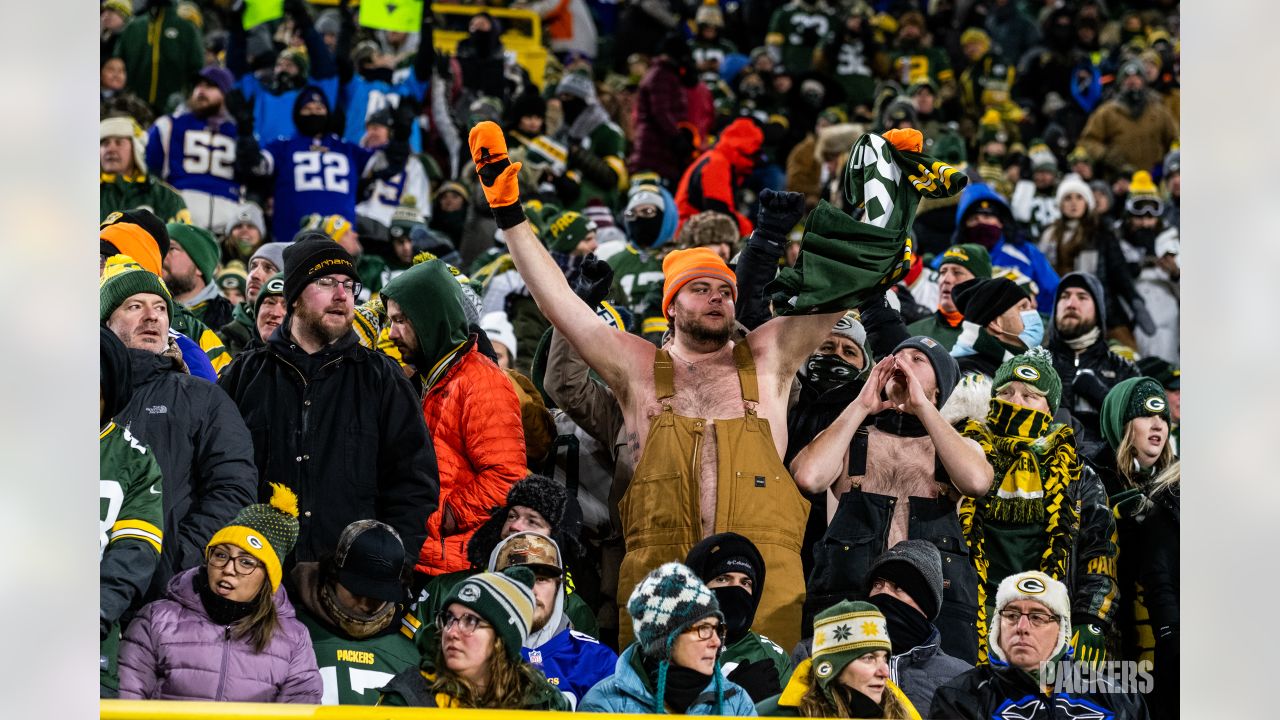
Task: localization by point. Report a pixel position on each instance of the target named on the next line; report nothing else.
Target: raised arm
(962, 458)
(822, 462)
(603, 349)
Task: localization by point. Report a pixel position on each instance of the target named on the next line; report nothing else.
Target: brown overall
(755, 497)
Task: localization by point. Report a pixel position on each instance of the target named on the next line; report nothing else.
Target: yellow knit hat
(265, 531)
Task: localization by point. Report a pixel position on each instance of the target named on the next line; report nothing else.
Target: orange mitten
(497, 172)
(905, 139)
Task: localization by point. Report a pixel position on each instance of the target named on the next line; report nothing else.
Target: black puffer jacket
(1079, 395)
(203, 449)
(983, 692)
(343, 428)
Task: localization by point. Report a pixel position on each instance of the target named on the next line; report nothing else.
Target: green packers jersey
(354, 670)
(634, 273)
(609, 144)
(185, 322)
(798, 29)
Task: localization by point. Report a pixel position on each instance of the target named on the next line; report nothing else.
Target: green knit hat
(200, 244)
(971, 257)
(1135, 397)
(266, 531)
(567, 229)
(122, 276)
(843, 633)
(274, 286)
(1035, 368)
(505, 600)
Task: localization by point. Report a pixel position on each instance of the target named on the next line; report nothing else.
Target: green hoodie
(430, 297)
(1129, 399)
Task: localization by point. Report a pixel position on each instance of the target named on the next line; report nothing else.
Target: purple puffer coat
(173, 651)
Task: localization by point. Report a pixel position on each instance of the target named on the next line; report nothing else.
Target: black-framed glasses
(244, 564)
(1038, 618)
(466, 622)
(704, 631)
(329, 282)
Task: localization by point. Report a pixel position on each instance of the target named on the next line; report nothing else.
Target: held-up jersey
(313, 176)
(354, 670)
(273, 114)
(191, 153)
(573, 662)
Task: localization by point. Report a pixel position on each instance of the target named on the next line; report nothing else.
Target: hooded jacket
(162, 52)
(203, 449)
(630, 690)
(471, 409)
(1013, 250)
(709, 183)
(174, 651)
(999, 690)
(1085, 402)
(342, 429)
(660, 108)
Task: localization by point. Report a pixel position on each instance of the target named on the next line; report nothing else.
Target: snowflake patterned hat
(668, 601)
(843, 633)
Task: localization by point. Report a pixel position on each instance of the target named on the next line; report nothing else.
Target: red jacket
(474, 418)
(711, 180)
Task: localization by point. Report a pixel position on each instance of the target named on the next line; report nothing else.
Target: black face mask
(826, 372)
(311, 125)
(739, 608)
(284, 82)
(221, 610)
(644, 231)
(908, 627)
(485, 40)
(1135, 99)
(375, 74)
(1061, 37)
(573, 107)
(450, 223)
(1144, 238)
(812, 99)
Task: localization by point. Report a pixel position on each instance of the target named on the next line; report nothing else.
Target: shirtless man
(705, 416)
(898, 479)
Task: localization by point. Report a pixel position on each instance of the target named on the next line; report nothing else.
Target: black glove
(759, 679)
(1088, 385)
(593, 281)
(779, 212)
(684, 143)
(248, 155)
(104, 629)
(1141, 316)
(297, 9)
(241, 111)
(444, 67)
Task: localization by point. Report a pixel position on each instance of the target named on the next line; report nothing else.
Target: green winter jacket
(608, 146)
(162, 54)
(185, 322)
(752, 647)
(936, 327)
(118, 193)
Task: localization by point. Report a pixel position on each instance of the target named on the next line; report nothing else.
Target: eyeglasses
(1144, 206)
(329, 282)
(466, 623)
(706, 630)
(244, 564)
(1037, 617)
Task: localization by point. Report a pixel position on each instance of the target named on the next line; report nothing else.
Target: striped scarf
(1035, 461)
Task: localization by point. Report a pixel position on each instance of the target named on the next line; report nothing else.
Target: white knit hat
(129, 128)
(1073, 183)
(499, 329)
(1032, 585)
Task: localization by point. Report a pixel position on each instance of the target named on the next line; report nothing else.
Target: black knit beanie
(983, 300)
(313, 255)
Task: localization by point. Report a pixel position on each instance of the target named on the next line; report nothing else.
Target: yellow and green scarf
(1035, 461)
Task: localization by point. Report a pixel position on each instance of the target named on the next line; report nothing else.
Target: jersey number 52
(205, 153)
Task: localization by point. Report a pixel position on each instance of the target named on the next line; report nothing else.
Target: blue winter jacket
(1013, 250)
(626, 691)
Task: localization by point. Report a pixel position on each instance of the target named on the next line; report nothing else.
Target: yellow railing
(171, 710)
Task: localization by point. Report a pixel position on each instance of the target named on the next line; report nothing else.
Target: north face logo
(157, 410)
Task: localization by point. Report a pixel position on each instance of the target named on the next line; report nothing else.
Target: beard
(320, 325)
(701, 333)
(1073, 326)
(180, 285)
(204, 108)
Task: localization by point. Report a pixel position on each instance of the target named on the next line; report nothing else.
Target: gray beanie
(577, 84)
(916, 567)
(246, 212)
(945, 369)
(329, 23)
(272, 252)
(848, 327)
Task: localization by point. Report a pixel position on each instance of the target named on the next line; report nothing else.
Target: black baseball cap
(370, 561)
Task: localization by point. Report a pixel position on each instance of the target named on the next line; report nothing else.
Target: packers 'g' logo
(1155, 404)
(254, 541)
(1026, 372)
(469, 593)
(111, 219)
(823, 669)
(1030, 586)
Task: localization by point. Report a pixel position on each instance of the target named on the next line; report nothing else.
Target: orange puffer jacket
(474, 418)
